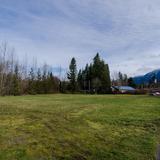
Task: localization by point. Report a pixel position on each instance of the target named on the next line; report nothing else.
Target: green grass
(79, 127)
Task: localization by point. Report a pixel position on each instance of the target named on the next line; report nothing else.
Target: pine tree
(106, 81)
(97, 66)
(100, 75)
(44, 81)
(80, 80)
(50, 83)
(72, 76)
(95, 77)
(39, 82)
(131, 82)
(31, 82)
(16, 84)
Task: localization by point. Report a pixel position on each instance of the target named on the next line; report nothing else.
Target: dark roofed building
(123, 90)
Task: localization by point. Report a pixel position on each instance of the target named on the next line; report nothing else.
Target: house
(123, 90)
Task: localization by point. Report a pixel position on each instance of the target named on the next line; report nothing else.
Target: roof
(127, 88)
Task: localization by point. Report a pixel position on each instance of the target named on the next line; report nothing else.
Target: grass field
(79, 127)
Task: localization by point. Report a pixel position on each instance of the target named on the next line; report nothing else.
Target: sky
(126, 33)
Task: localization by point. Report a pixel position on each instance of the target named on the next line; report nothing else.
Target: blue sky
(125, 32)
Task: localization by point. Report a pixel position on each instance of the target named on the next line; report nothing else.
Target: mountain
(149, 78)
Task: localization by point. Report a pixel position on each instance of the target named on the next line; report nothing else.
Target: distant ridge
(149, 78)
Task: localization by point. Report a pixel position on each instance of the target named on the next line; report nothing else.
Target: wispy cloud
(126, 33)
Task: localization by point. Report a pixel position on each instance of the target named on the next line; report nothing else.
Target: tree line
(20, 78)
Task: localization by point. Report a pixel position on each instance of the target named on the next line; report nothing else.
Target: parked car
(155, 93)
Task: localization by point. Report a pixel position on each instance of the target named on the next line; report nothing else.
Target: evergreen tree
(16, 83)
(97, 66)
(80, 80)
(131, 82)
(39, 82)
(50, 83)
(44, 82)
(106, 80)
(101, 75)
(31, 82)
(64, 86)
(72, 76)
(87, 80)
(95, 77)
(122, 80)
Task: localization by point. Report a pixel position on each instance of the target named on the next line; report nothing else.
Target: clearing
(79, 127)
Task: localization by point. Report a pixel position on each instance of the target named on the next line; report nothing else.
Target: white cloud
(125, 32)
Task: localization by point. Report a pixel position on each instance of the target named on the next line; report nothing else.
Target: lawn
(79, 127)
